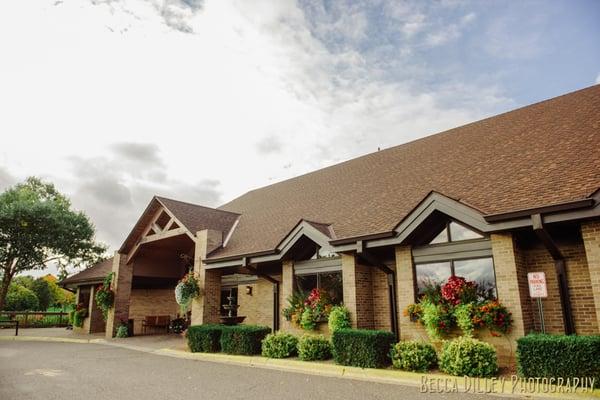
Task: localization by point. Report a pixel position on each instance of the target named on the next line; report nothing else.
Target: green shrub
(465, 356)
(437, 319)
(78, 317)
(122, 331)
(204, 338)
(243, 339)
(314, 347)
(339, 318)
(361, 347)
(414, 355)
(19, 298)
(560, 356)
(279, 345)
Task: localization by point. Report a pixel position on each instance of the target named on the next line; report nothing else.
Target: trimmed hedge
(204, 338)
(314, 347)
(554, 356)
(362, 348)
(243, 339)
(279, 345)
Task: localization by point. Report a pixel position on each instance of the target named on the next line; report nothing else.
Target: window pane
(459, 232)
(306, 283)
(431, 274)
(480, 270)
(331, 283)
(442, 237)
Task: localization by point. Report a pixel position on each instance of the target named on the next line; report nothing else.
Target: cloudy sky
(117, 100)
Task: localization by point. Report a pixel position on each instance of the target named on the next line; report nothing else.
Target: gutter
(528, 212)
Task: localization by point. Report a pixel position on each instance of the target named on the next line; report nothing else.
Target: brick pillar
(287, 289)
(206, 307)
(405, 291)
(511, 282)
(358, 295)
(349, 282)
(590, 232)
(123, 275)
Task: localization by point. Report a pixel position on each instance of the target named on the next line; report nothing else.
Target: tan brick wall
(258, 307)
(358, 291)
(590, 232)
(122, 287)
(144, 302)
(580, 288)
(286, 288)
(405, 293)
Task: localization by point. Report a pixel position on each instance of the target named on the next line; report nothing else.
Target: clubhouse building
(490, 201)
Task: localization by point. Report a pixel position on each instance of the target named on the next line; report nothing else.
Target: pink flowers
(452, 290)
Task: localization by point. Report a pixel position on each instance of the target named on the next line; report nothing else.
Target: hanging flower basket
(105, 297)
(186, 290)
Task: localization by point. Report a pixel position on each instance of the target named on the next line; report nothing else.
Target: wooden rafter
(154, 232)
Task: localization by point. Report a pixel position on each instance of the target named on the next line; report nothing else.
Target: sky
(115, 101)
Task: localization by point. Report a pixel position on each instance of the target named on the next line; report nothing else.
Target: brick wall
(258, 307)
(405, 293)
(590, 232)
(580, 287)
(381, 300)
(145, 302)
(122, 287)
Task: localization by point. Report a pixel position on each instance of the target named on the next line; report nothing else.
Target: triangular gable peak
(319, 233)
(156, 223)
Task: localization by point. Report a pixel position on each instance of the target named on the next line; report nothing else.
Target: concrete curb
(387, 376)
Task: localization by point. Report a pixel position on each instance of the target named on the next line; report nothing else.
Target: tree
(38, 226)
(62, 297)
(42, 291)
(19, 298)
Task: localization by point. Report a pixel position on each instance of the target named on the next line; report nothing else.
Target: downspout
(560, 268)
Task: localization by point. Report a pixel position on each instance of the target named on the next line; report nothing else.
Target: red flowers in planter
(458, 290)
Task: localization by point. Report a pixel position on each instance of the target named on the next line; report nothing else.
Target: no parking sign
(537, 285)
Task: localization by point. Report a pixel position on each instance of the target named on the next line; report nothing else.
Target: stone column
(287, 289)
(206, 307)
(123, 275)
(405, 292)
(590, 232)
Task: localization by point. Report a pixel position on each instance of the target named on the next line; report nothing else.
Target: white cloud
(598, 79)
(118, 100)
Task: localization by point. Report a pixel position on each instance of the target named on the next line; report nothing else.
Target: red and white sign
(537, 284)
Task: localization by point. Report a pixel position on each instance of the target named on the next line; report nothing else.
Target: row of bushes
(234, 339)
(352, 347)
(559, 356)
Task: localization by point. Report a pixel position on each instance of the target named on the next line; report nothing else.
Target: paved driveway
(36, 370)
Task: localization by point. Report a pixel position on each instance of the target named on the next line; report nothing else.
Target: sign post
(538, 290)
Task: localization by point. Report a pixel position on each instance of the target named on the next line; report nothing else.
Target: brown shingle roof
(95, 273)
(535, 156)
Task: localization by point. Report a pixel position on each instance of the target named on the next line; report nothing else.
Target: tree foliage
(19, 298)
(38, 226)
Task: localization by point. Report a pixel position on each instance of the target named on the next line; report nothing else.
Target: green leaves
(558, 356)
(414, 355)
(465, 356)
(279, 345)
(37, 225)
(361, 347)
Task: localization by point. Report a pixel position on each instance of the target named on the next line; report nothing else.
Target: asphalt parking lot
(41, 370)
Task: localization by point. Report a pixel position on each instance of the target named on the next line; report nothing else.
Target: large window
(479, 270)
(328, 282)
